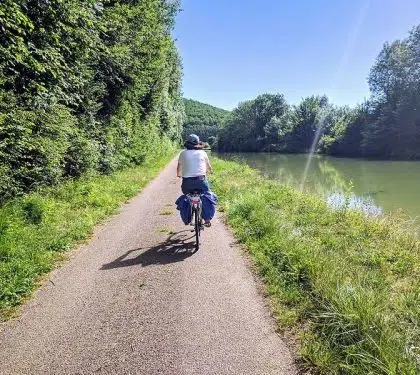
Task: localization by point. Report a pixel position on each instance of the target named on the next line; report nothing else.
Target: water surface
(383, 185)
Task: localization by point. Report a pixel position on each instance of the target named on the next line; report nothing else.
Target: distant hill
(202, 119)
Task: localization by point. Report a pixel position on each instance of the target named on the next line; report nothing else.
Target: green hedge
(85, 86)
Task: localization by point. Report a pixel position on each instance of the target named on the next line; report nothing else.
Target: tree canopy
(254, 124)
(386, 126)
(84, 86)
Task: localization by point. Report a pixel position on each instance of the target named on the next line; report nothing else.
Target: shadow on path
(174, 249)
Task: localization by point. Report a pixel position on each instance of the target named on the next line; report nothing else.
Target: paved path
(133, 301)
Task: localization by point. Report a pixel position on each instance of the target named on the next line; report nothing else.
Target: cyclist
(193, 166)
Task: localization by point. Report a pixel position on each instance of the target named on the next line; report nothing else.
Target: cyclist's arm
(209, 168)
(178, 169)
(181, 162)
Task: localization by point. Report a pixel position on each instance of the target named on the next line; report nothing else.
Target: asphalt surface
(133, 300)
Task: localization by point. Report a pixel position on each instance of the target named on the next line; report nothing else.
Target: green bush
(84, 86)
(33, 148)
(82, 156)
(33, 210)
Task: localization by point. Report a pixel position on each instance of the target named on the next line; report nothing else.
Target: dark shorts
(190, 184)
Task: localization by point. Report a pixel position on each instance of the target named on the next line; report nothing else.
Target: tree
(345, 135)
(84, 86)
(306, 117)
(387, 126)
(255, 124)
(394, 82)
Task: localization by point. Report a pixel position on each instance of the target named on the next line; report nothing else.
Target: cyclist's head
(192, 142)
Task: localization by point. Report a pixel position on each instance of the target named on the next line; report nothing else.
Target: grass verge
(36, 230)
(348, 286)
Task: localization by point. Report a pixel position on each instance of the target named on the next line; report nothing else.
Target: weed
(33, 211)
(163, 230)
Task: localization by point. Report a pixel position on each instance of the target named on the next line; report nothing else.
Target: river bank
(380, 185)
(347, 285)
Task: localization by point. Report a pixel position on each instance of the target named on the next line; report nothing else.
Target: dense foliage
(203, 119)
(85, 85)
(387, 126)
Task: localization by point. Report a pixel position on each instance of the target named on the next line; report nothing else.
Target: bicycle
(196, 218)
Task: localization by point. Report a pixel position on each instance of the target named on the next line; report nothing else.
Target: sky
(234, 50)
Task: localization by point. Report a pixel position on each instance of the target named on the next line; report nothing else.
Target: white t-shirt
(193, 163)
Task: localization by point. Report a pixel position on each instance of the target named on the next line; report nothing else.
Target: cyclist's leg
(193, 185)
(190, 185)
(184, 186)
(203, 185)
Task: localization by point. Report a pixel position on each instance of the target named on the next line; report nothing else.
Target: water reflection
(374, 185)
(353, 202)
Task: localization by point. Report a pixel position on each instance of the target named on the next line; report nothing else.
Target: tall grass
(35, 230)
(348, 285)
